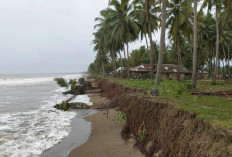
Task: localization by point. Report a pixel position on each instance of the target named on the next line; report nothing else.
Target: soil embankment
(105, 139)
(227, 94)
(169, 131)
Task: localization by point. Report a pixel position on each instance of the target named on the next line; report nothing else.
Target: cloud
(47, 35)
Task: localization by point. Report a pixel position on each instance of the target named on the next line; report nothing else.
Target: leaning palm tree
(179, 13)
(162, 48)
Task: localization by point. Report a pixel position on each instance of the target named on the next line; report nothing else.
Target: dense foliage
(125, 21)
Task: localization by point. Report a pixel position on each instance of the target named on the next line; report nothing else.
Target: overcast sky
(42, 36)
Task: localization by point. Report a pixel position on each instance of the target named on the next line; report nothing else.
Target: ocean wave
(35, 80)
(27, 134)
(82, 98)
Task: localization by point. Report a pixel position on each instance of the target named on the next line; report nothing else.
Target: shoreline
(81, 130)
(95, 133)
(105, 139)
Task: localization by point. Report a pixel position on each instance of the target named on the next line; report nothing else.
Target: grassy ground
(213, 108)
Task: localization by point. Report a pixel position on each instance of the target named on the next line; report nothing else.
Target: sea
(29, 124)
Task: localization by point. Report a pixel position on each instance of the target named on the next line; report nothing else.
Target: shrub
(78, 105)
(179, 91)
(63, 106)
(142, 135)
(213, 83)
(120, 117)
(62, 82)
(189, 85)
(81, 80)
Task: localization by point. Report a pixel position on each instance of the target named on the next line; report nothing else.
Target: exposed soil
(171, 132)
(105, 139)
(227, 94)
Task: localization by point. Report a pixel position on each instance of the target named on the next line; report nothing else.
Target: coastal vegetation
(120, 118)
(199, 37)
(215, 107)
(182, 123)
(73, 88)
(196, 34)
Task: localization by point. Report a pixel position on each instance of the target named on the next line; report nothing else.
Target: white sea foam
(29, 81)
(82, 98)
(28, 134)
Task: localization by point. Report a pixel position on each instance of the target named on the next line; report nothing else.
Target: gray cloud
(47, 35)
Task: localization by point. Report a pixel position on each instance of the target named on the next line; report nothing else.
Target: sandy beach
(105, 139)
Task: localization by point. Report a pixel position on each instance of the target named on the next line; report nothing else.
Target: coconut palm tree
(140, 15)
(100, 48)
(146, 14)
(227, 12)
(194, 73)
(155, 91)
(227, 24)
(179, 21)
(121, 25)
(100, 40)
(218, 6)
(148, 21)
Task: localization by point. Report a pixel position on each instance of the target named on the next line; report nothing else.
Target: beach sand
(105, 139)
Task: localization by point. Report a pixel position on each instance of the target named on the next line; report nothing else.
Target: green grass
(205, 85)
(216, 109)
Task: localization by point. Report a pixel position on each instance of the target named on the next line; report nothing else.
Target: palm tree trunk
(121, 62)
(214, 66)
(128, 55)
(124, 51)
(223, 66)
(103, 68)
(217, 45)
(146, 41)
(128, 61)
(194, 73)
(212, 62)
(219, 66)
(223, 59)
(228, 60)
(120, 59)
(147, 6)
(155, 91)
(178, 52)
(209, 67)
(114, 64)
(202, 68)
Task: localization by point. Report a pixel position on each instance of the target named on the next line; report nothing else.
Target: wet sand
(105, 139)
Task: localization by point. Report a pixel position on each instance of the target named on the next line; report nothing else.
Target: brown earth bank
(166, 131)
(156, 128)
(105, 139)
(227, 94)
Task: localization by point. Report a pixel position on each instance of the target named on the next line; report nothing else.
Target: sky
(48, 36)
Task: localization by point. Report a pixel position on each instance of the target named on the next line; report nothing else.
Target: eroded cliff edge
(171, 132)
